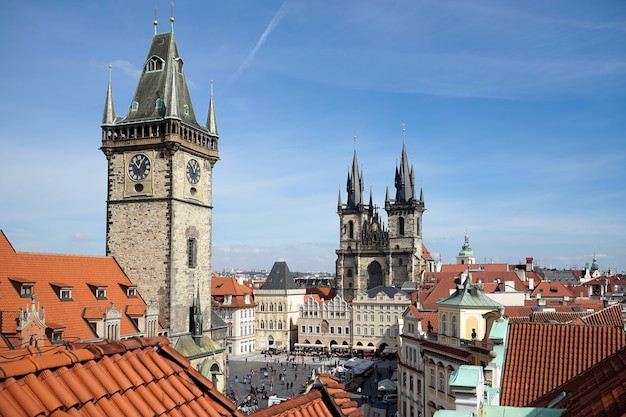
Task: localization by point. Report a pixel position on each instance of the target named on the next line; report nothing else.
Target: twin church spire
(404, 183)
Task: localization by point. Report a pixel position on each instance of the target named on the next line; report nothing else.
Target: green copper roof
(466, 376)
(466, 250)
(468, 295)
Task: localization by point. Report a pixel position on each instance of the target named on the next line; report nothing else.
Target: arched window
(280, 306)
(262, 307)
(154, 64)
(262, 324)
(401, 226)
(444, 324)
(453, 326)
(280, 325)
(271, 306)
(271, 325)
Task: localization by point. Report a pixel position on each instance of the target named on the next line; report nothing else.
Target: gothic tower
(404, 216)
(159, 191)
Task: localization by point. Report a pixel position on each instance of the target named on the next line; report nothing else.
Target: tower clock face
(193, 171)
(139, 167)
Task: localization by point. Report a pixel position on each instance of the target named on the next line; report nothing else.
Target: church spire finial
(211, 121)
(172, 16)
(155, 22)
(108, 116)
(403, 133)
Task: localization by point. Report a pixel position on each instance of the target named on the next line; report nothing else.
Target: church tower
(404, 216)
(369, 255)
(159, 190)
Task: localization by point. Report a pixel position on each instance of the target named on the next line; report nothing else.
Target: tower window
(186, 110)
(134, 106)
(351, 229)
(159, 106)
(192, 252)
(401, 226)
(154, 64)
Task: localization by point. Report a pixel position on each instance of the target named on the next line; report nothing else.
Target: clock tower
(159, 189)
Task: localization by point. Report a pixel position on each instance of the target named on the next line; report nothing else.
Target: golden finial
(172, 15)
(155, 22)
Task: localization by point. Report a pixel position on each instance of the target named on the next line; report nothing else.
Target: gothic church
(370, 254)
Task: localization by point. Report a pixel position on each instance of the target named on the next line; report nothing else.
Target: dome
(466, 250)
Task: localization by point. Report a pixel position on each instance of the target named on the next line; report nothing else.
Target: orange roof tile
(223, 286)
(138, 376)
(72, 271)
(542, 356)
(551, 289)
(326, 398)
(598, 391)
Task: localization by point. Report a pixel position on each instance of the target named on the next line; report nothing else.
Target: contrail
(270, 27)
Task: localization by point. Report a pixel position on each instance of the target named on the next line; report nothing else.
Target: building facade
(235, 304)
(376, 317)
(461, 322)
(278, 307)
(325, 324)
(371, 254)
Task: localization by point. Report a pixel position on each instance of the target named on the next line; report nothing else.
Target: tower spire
(405, 179)
(172, 17)
(355, 183)
(211, 121)
(108, 117)
(155, 22)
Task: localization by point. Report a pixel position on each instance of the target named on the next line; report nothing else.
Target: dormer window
(228, 299)
(26, 290)
(131, 292)
(154, 64)
(246, 299)
(24, 287)
(65, 294)
(101, 293)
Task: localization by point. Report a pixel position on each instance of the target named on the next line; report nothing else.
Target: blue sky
(515, 118)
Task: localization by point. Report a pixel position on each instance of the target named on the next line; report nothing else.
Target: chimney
(529, 264)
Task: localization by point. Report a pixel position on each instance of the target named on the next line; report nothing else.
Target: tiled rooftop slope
(134, 377)
(542, 356)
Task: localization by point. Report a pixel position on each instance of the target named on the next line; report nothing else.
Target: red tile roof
(439, 285)
(134, 377)
(72, 271)
(598, 392)
(325, 398)
(551, 289)
(542, 356)
(458, 268)
(222, 286)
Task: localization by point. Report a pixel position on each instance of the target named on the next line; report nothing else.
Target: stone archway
(374, 275)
